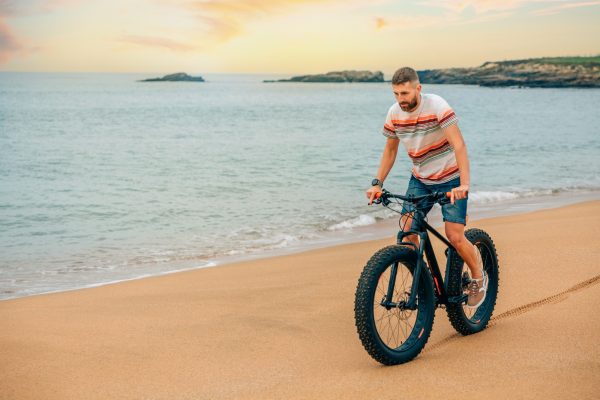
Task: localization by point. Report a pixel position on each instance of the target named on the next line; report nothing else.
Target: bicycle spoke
(381, 287)
(389, 331)
(404, 278)
(404, 332)
(394, 325)
(401, 326)
(394, 329)
(384, 322)
(398, 341)
(411, 326)
(382, 317)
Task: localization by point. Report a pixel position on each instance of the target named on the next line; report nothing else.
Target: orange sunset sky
(287, 36)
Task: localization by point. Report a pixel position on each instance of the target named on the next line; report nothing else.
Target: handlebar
(384, 196)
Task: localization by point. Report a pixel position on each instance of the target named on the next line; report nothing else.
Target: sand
(283, 327)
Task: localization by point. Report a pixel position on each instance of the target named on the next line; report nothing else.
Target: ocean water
(103, 178)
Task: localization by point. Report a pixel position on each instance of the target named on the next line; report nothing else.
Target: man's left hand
(459, 193)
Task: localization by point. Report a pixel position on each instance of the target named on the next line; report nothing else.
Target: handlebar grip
(449, 194)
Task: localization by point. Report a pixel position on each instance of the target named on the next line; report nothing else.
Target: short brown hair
(405, 74)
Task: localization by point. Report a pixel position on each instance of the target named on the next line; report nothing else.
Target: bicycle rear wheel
(466, 320)
(392, 335)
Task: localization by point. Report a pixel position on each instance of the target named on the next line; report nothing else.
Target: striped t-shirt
(421, 133)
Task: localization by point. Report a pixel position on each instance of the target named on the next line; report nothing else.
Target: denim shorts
(456, 212)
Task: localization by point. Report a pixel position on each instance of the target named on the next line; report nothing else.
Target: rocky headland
(555, 72)
(177, 77)
(337, 76)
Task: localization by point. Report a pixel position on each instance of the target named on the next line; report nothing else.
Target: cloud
(219, 21)
(479, 6)
(475, 11)
(558, 8)
(156, 42)
(497, 6)
(224, 20)
(32, 7)
(8, 7)
(9, 44)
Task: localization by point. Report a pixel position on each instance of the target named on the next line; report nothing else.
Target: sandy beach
(283, 327)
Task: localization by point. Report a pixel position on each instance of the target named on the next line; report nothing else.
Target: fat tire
(456, 313)
(363, 307)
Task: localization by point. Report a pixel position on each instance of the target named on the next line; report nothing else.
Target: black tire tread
(368, 277)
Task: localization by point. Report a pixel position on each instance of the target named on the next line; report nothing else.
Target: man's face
(407, 95)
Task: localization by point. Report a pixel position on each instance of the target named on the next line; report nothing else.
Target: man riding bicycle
(428, 128)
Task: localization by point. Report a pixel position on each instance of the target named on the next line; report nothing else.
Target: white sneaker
(477, 288)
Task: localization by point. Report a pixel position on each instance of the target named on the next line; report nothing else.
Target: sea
(105, 179)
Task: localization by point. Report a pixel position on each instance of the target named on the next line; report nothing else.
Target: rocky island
(177, 77)
(337, 76)
(555, 72)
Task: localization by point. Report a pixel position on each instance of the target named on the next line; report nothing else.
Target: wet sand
(283, 327)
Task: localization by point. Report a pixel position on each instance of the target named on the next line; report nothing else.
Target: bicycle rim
(396, 327)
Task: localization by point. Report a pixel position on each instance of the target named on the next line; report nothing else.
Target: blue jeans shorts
(456, 212)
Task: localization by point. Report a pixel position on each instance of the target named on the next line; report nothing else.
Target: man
(428, 128)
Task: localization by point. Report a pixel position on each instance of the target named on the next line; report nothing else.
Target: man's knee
(455, 236)
(405, 222)
(456, 240)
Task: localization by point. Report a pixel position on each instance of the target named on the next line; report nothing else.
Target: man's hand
(459, 193)
(372, 192)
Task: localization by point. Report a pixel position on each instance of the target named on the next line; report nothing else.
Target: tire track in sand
(513, 312)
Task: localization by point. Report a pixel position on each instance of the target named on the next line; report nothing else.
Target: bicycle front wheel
(393, 335)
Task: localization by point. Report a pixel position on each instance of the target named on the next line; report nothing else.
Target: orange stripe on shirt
(447, 117)
(439, 175)
(447, 112)
(416, 154)
(413, 121)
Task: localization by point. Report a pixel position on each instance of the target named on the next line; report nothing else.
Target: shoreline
(381, 229)
(266, 328)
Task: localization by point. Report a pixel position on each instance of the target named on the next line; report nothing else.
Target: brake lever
(380, 198)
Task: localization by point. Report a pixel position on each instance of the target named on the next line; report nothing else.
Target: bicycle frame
(424, 248)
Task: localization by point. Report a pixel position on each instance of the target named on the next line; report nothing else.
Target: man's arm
(455, 139)
(387, 162)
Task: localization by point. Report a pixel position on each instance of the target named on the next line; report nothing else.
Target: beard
(409, 106)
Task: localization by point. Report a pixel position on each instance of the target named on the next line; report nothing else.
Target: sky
(288, 36)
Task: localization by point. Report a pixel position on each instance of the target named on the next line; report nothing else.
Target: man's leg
(415, 188)
(455, 217)
(455, 233)
(405, 224)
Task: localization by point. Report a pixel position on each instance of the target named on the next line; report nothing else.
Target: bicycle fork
(411, 303)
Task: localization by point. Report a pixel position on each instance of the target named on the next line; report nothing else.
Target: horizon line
(291, 73)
